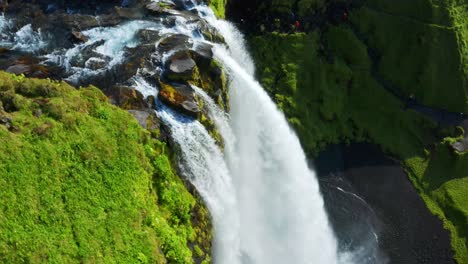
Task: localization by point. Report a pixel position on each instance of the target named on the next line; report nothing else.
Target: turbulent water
(264, 199)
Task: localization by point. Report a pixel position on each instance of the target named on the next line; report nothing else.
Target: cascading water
(264, 199)
(282, 214)
(202, 162)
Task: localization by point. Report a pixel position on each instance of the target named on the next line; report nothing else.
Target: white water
(203, 163)
(116, 40)
(25, 39)
(264, 199)
(282, 213)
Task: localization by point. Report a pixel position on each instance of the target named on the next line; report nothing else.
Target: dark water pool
(375, 211)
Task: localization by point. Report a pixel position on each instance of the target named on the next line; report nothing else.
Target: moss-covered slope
(82, 182)
(351, 73)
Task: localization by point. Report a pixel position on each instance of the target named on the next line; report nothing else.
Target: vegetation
(218, 7)
(81, 181)
(337, 83)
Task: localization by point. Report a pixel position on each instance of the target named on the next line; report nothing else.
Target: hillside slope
(83, 182)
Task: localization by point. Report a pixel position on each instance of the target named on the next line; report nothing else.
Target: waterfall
(282, 214)
(203, 163)
(264, 199)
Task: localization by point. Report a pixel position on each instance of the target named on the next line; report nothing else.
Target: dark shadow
(367, 193)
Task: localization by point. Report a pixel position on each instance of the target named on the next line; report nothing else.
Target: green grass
(82, 182)
(325, 84)
(218, 7)
(441, 176)
(418, 49)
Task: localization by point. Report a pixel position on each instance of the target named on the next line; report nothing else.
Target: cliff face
(386, 72)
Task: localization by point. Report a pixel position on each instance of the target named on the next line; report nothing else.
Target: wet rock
(179, 96)
(127, 98)
(181, 67)
(83, 22)
(95, 63)
(203, 52)
(135, 59)
(210, 33)
(160, 6)
(79, 36)
(148, 36)
(130, 13)
(174, 42)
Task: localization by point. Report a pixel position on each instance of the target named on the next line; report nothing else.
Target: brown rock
(127, 98)
(180, 97)
(79, 36)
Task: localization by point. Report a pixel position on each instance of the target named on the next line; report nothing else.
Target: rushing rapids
(264, 199)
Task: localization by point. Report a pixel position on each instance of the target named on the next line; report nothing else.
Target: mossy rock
(179, 96)
(199, 68)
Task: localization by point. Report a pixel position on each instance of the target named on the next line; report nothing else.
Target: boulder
(127, 98)
(203, 52)
(210, 33)
(148, 36)
(130, 13)
(96, 63)
(174, 42)
(179, 96)
(181, 67)
(160, 6)
(83, 22)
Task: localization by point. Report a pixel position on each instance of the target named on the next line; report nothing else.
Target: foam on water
(116, 40)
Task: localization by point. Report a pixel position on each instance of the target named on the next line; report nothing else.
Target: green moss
(417, 48)
(83, 182)
(325, 82)
(218, 7)
(442, 178)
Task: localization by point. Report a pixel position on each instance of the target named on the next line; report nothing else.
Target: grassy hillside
(336, 82)
(82, 182)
